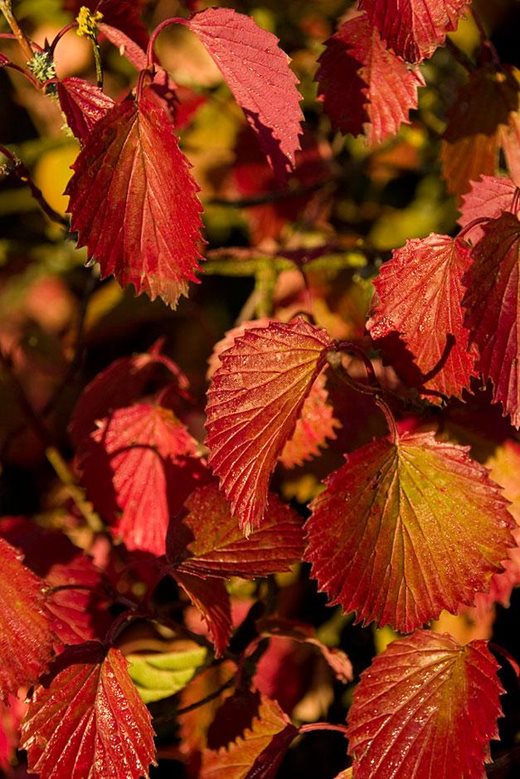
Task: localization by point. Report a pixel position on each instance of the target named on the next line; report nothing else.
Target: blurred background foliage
(344, 209)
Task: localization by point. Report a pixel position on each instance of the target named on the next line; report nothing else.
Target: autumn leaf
(487, 198)
(364, 86)
(87, 719)
(254, 402)
(258, 752)
(315, 427)
(207, 541)
(120, 384)
(211, 599)
(133, 201)
(137, 469)
(427, 706)
(25, 634)
(406, 529)
(419, 296)
(258, 74)
(414, 28)
(83, 104)
(478, 125)
(493, 314)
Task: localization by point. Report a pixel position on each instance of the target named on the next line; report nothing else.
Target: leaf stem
(23, 174)
(390, 419)
(6, 9)
(207, 699)
(76, 492)
(310, 728)
(155, 34)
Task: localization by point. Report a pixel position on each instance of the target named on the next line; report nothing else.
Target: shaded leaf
(493, 313)
(120, 384)
(315, 427)
(207, 541)
(211, 599)
(365, 87)
(83, 104)
(406, 529)
(419, 296)
(425, 707)
(477, 127)
(258, 74)
(258, 753)
(414, 28)
(133, 201)
(88, 719)
(254, 403)
(137, 470)
(487, 198)
(159, 675)
(25, 634)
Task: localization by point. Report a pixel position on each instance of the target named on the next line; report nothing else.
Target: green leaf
(158, 676)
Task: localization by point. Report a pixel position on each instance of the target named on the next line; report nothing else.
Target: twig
(6, 9)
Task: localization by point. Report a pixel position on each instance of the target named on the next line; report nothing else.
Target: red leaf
(75, 615)
(314, 428)
(478, 126)
(127, 47)
(10, 718)
(254, 402)
(487, 198)
(406, 529)
(211, 599)
(88, 720)
(258, 753)
(122, 383)
(207, 541)
(25, 635)
(123, 14)
(414, 28)
(419, 294)
(365, 87)
(83, 104)
(493, 314)
(257, 72)
(133, 200)
(135, 463)
(425, 707)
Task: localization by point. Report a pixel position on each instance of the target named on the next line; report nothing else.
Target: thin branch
(203, 701)
(6, 9)
(323, 726)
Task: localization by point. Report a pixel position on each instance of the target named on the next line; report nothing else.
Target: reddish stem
(390, 419)
(59, 35)
(323, 726)
(155, 34)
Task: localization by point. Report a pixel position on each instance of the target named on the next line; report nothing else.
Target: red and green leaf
(364, 86)
(254, 402)
(87, 719)
(207, 541)
(493, 312)
(406, 529)
(133, 201)
(419, 296)
(425, 707)
(414, 28)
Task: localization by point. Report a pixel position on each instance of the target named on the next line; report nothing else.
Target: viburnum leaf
(134, 202)
(406, 529)
(365, 87)
(478, 125)
(83, 104)
(315, 427)
(25, 634)
(210, 597)
(493, 313)
(254, 402)
(87, 719)
(137, 470)
(426, 707)
(258, 74)
(414, 28)
(419, 295)
(207, 541)
(487, 198)
(258, 753)
(161, 674)
(123, 382)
